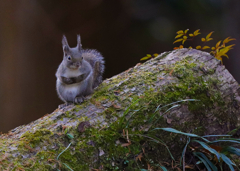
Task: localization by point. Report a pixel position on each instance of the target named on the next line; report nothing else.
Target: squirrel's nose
(77, 64)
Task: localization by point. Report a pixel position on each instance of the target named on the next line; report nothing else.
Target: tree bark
(112, 129)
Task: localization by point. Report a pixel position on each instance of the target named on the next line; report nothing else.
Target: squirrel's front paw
(78, 100)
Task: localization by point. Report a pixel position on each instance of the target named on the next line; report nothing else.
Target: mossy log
(111, 130)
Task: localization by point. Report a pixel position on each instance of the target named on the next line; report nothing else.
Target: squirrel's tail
(98, 71)
(97, 62)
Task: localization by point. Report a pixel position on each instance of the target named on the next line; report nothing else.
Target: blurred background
(124, 31)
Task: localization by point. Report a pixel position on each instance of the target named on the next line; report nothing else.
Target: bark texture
(111, 130)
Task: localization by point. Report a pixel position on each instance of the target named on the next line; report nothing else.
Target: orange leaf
(209, 35)
(180, 32)
(196, 32)
(219, 58)
(213, 48)
(126, 144)
(209, 39)
(224, 50)
(190, 47)
(189, 167)
(228, 39)
(230, 46)
(218, 43)
(180, 47)
(149, 167)
(191, 35)
(205, 47)
(212, 52)
(178, 40)
(144, 58)
(155, 54)
(198, 47)
(226, 55)
(217, 148)
(179, 35)
(139, 157)
(203, 39)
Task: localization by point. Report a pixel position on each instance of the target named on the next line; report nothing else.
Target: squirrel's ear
(79, 45)
(65, 44)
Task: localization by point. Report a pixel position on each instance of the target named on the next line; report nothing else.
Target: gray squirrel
(79, 72)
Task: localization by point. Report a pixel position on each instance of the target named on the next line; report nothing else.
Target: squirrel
(79, 72)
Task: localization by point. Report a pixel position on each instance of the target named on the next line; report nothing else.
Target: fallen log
(112, 129)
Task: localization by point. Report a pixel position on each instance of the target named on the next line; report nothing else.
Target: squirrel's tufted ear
(79, 45)
(65, 44)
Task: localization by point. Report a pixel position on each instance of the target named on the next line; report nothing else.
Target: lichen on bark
(119, 116)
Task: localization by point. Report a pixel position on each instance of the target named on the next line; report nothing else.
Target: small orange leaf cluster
(218, 51)
(221, 49)
(148, 56)
(184, 36)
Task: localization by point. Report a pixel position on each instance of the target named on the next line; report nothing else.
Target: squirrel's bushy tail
(97, 62)
(98, 72)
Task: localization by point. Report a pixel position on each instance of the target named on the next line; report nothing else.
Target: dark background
(122, 30)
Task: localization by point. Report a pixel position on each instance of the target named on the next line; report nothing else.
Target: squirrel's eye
(69, 58)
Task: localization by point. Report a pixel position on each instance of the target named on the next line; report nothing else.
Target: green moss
(119, 153)
(34, 138)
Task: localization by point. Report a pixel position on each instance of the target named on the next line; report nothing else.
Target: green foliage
(210, 155)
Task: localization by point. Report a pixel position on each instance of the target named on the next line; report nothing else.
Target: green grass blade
(170, 109)
(203, 161)
(185, 100)
(151, 119)
(157, 141)
(158, 108)
(214, 168)
(233, 150)
(126, 112)
(163, 168)
(135, 111)
(184, 150)
(64, 150)
(234, 131)
(227, 161)
(68, 166)
(177, 132)
(217, 136)
(213, 151)
(225, 140)
(165, 147)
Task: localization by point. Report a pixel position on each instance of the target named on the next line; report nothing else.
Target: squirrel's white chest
(71, 73)
(72, 89)
(68, 92)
